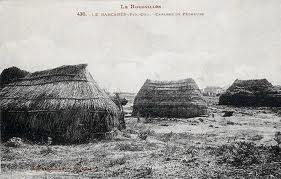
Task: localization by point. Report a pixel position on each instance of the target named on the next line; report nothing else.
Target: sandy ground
(160, 148)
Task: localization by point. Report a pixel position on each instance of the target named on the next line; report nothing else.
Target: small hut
(258, 92)
(63, 103)
(179, 99)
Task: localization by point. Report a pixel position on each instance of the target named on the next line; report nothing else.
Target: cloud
(35, 53)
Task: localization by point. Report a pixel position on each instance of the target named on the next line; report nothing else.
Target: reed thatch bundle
(11, 74)
(258, 92)
(176, 99)
(64, 103)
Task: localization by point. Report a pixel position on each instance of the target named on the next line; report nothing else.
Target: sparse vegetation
(256, 137)
(47, 150)
(118, 161)
(238, 154)
(247, 159)
(128, 147)
(277, 138)
(143, 172)
(15, 142)
(145, 133)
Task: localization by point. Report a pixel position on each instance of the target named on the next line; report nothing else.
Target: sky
(235, 39)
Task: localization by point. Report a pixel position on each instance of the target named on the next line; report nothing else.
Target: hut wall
(63, 126)
(250, 100)
(169, 111)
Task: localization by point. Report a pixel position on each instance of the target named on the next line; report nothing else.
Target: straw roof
(256, 92)
(180, 98)
(67, 94)
(11, 74)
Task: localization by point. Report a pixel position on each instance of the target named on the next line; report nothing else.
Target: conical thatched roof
(258, 92)
(169, 99)
(65, 103)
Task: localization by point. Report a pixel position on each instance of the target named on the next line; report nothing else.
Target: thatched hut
(179, 99)
(11, 74)
(212, 91)
(64, 103)
(258, 92)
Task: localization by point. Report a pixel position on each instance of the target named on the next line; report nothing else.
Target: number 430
(81, 14)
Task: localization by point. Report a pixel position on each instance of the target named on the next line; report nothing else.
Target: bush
(47, 151)
(166, 137)
(14, 142)
(148, 120)
(170, 150)
(256, 137)
(144, 134)
(7, 154)
(131, 131)
(277, 137)
(143, 172)
(274, 154)
(247, 153)
(239, 154)
(118, 161)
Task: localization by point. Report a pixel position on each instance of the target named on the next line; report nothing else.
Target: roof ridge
(64, 69)
(170, 81)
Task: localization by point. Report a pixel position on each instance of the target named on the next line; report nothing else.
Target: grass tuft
(128, 147)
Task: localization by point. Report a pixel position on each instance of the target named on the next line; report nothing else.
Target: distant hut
(63, 103)
(179, 99)
(212, 91)
(257, 92)
(11, 74)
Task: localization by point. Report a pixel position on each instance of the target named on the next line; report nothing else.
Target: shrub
(238, 154)
(143, 172)
(131, 131)
(7, 154)
(166, 137)
(47, 151)
(277, 137)
(171, 150)
(146, 121)
(274, 154)
(118, 161)
(230, 123)
(191, 151)
(247, 153)
(14, 142)
(144, 134)
(125, 134)
(256, 137)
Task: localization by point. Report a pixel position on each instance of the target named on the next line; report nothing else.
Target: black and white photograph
(140, 89)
